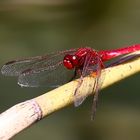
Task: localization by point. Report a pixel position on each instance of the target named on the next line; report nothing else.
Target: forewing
(17, 67)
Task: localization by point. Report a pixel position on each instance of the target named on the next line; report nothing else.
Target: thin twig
(25, 114)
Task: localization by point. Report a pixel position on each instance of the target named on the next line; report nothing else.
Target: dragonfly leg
(78, 72)
(79, 84)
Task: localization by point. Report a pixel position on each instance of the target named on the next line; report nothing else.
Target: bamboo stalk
(26, 113)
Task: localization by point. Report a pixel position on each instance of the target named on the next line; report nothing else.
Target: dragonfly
(57, 68)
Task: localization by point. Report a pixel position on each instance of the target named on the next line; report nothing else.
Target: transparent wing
(51, 76)
(89, 69)
(16, 67)
(97, 85)
(78, 96)
(33, 71)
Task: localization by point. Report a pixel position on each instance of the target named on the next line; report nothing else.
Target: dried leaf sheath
(57, 99)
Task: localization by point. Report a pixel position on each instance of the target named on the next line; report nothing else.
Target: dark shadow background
(29, 28)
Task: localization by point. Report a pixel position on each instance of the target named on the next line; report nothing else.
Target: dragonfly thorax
(72, 61)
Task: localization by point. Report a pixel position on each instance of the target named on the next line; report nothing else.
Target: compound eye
(67, 62)
(74, 60)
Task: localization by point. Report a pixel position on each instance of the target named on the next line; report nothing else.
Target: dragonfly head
(70, 61)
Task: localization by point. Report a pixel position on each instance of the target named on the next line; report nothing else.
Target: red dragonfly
(54, 69)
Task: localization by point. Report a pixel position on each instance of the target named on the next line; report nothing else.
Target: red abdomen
(109, 54)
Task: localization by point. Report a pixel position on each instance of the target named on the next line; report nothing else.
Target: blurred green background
(29, 28)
